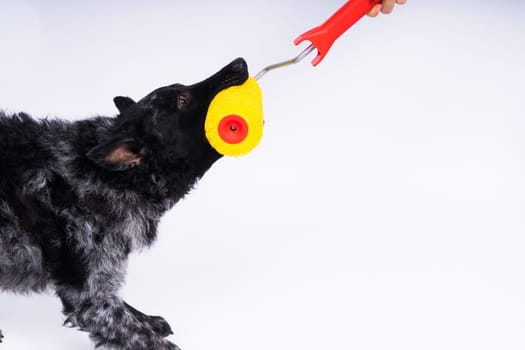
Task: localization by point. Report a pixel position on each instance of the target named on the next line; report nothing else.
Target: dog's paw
(159, 325)
(175, 347)
(70, 322)
(170, 346)
(1, 335)
(163, 345)
(115, 345)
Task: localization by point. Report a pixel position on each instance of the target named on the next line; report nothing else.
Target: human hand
(386, 6)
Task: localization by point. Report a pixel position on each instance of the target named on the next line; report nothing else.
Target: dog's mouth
(232, 81)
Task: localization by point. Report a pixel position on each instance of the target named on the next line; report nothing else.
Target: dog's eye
(183, 100)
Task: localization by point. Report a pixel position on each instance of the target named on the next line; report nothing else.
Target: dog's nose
(239, 65)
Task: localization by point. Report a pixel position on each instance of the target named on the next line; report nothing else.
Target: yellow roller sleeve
(234, 123)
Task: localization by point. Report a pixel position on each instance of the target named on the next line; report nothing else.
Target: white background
(384, 208)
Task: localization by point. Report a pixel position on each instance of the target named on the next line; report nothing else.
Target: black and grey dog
(77, 197)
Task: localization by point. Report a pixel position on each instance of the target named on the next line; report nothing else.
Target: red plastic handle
(323, 36)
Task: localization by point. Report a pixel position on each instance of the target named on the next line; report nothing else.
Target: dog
(77, 197)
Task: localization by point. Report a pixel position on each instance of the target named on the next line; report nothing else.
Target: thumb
(374, 11)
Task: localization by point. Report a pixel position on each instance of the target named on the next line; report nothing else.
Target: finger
(388, 6)
(374, 11)
(401, 2)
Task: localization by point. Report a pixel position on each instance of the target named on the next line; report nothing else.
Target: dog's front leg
(157, 323)
(111, 324)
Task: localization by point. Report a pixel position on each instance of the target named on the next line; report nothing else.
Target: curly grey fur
(77, 198)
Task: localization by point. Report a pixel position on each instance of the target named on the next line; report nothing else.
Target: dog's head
(166, 126)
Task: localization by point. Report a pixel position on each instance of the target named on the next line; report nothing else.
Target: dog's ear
(117, 154)
(123, 102)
